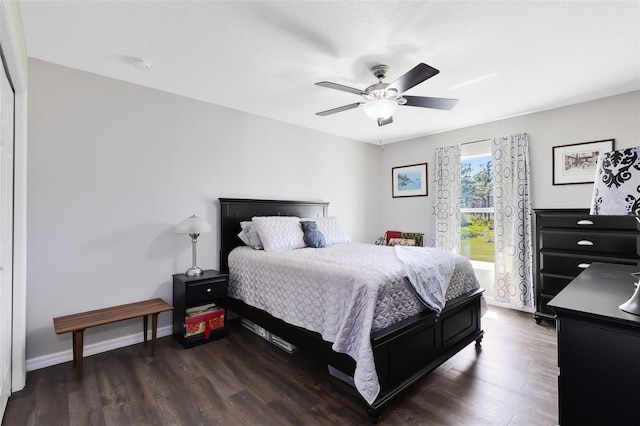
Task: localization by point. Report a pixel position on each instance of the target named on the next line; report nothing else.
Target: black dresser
(568, 240)
(598, 348)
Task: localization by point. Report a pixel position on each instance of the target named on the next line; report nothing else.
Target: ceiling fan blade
(339, 109)
(340, 87)
(417, 75)
(384, 122)
(425, 102)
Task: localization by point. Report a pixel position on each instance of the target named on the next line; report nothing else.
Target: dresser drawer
(551, 285)
(543, 299)
(564, 264)
(205, 291)
(596, 242)
(571, 264)
(588, 222)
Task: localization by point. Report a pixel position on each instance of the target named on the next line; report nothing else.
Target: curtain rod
(480, 140)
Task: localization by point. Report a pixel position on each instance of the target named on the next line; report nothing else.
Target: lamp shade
(193, 225)
(615, 191)
(380, 109)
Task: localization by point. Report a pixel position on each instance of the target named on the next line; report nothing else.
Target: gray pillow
(312, 235)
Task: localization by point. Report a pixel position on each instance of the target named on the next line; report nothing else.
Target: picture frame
(576, 163)
(409, 181)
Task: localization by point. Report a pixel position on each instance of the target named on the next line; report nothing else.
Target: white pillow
(250, 237)
(279, 232)
(332, 229)
(245, 238)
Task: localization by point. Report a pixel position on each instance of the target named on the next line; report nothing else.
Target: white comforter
(337, 291)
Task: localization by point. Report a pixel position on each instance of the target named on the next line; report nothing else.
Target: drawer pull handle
(584, 243)
(583, 265)
(208, 290)
(584, 222)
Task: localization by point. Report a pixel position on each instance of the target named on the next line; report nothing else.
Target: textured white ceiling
(500, 58)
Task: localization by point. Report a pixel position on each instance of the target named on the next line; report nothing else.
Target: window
(476, 212)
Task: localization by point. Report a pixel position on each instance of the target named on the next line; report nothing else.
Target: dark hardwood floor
(245, 380)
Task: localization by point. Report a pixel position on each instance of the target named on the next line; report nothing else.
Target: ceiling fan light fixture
(380, 109)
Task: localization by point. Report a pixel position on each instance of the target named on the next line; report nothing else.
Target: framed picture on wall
(409, 181)
(576, 163)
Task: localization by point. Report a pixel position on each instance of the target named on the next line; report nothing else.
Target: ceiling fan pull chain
(381, 146)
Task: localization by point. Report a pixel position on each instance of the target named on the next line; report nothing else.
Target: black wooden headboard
(235, 210)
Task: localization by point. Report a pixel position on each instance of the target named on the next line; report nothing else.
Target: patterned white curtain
(512, 207)
(446, 206)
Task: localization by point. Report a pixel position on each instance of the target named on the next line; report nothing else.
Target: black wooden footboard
(420, 344)
(403, 353)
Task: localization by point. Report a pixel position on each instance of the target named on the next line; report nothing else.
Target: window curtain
(446, 206)
(512, 227)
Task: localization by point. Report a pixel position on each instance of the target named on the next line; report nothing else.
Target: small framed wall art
(576, 163)
(409, 181)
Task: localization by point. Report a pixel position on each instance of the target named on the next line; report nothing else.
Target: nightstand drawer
(202, 292)
(200, 307)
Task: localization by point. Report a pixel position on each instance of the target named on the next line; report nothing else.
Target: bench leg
(145, 321)
(78, 337)
(73, 347)
(154, 333)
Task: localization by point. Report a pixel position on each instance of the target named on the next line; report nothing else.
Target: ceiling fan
(382, 99)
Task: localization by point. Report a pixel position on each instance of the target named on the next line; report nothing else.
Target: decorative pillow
(312, 235)
(245, 238)
(392, 234)
(332, 229)
(401, 242)
(417, 236)
(279, 232)
(251, 235)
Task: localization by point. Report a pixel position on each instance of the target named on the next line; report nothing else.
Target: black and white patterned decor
(616, 190)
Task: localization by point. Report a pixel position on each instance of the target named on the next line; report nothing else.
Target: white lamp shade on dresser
(616, 190)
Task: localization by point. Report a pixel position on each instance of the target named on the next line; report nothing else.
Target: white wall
(113, 167)
(616, 117)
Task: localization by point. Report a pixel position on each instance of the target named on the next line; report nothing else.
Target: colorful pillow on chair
(401, 242)
(392, 234)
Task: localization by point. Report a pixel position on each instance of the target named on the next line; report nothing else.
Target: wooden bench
(77, 323)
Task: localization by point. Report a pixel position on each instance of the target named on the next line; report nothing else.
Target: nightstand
(199, 314)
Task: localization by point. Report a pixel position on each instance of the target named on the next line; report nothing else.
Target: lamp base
(632, 305)
(194, 270)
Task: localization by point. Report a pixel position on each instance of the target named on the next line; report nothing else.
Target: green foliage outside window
(476, 228)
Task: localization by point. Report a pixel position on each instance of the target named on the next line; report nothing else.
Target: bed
(399, 351)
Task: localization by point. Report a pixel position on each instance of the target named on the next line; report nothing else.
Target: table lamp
(194, 226)
(616, 191)
(632, 305)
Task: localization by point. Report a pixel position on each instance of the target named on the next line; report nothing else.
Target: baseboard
(95, 348)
